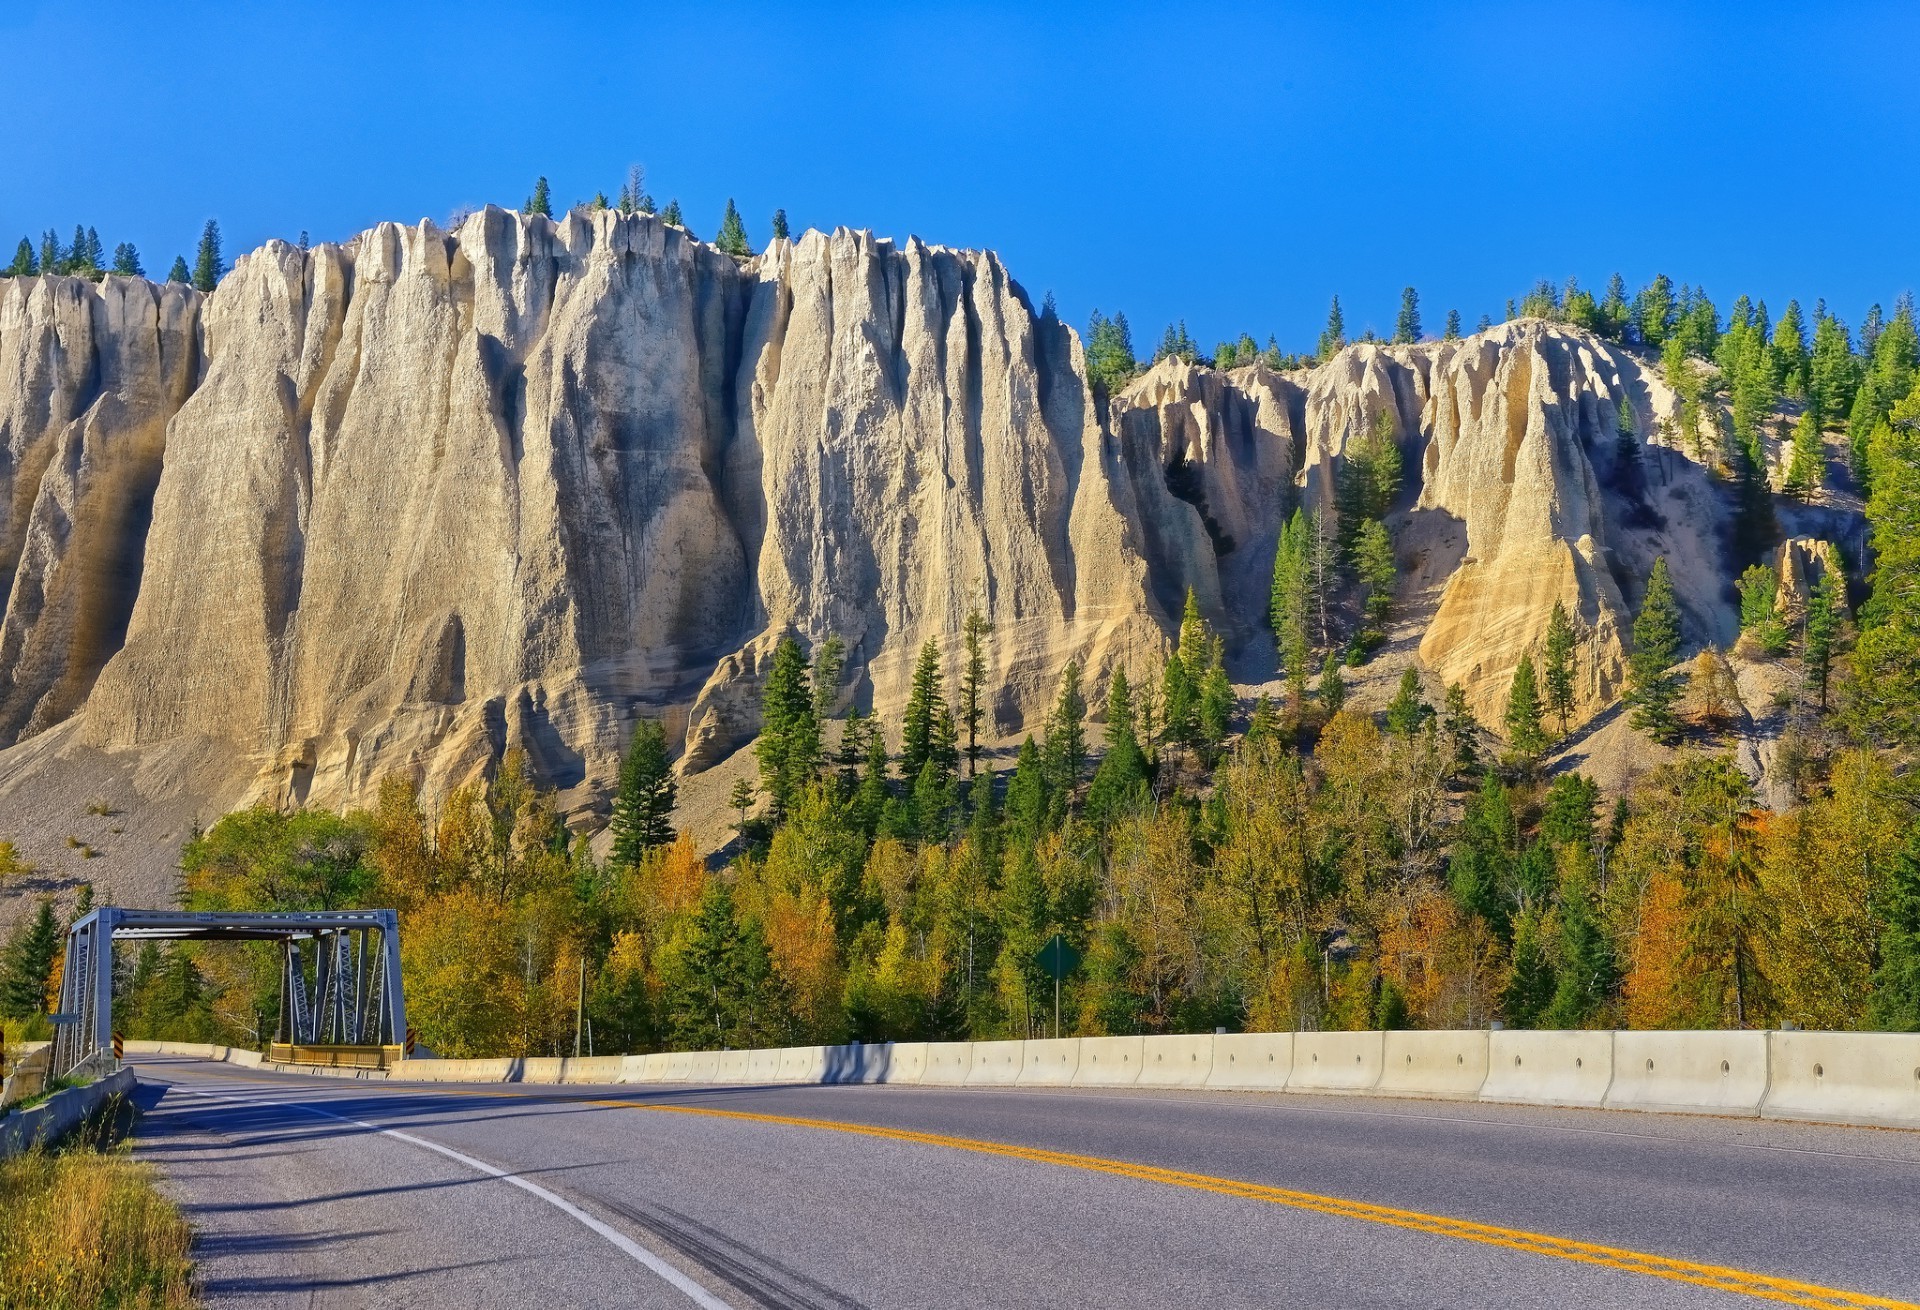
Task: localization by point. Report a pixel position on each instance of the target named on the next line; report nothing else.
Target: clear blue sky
(1233, 166)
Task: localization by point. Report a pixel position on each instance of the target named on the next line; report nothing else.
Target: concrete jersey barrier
(996, 1064)
(1548, 1068)
(946, 1064)
(1336, 1062)
(1251, 1061)
(1719, 1072)
(1176, 1061)
(1109, 1061)
(1449, 1064)
(906, 1062)
(1050, 1062)
(1848, 1078)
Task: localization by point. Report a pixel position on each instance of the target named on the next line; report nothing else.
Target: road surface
(329, 1192)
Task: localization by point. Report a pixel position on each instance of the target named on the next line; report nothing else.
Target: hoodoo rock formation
(404, 503)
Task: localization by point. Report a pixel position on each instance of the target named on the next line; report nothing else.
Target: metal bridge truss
(348, 995)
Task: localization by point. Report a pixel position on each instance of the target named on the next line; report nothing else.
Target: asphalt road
(326, 1192)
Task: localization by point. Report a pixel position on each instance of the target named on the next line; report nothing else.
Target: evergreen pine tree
(1408, 709)
(126, 261)
(1374, 567)
(179, 273)
(1789, 352)
(1832, 371)
(26, 965)
(1760, 619)
(1459, 727)
(1120, 780)
(1263, 724)
(733, 233)
(926, 703)
(1179, 703)
(1065, 752)
(789, 744)
(1524, 731)
(740, 800)
(828, 662)
(643, 805)
(780, 232)
(1335, 335)
(1652, 690)
(1654, 312)
(1530, 981)
(1333, 685)
(1453, 325)
(1894, 1003)
(1215, 705)
(541, 201)
(1826, 611)
(1486, 322)
(875, 789)
(207, 266)
(671, 214)
(1807, 458)
(1028, 805)
(53, 258)
(1288, 608)
(632, 191)
(25, 262)
(1557, 665)
(79, 262)
(1614, 312)
(1406, 328)
(973, 685)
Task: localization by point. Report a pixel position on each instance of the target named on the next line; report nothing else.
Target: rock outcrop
(428, 495)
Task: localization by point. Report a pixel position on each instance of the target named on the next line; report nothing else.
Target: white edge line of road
(699, 1295)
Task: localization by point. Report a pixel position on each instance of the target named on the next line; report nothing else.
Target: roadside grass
(84, 1226)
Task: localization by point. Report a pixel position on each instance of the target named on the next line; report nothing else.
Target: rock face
(401, 504)
(89, 377)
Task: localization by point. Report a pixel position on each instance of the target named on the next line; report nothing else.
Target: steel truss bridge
(342, 991)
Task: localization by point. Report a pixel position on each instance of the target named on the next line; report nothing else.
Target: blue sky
(1232, 165)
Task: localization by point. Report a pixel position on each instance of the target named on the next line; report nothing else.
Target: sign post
(1058, 959)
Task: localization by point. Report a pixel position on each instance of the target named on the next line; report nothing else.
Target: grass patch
(85, 1226)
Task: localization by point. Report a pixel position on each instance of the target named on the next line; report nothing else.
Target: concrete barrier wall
(1548, 1068)
(858, 1062)
(906, 1062)
(1860, 1078)
(1251, 1061)
(1849, 1078)
(803, 1064)
(1050, 1062)
(1721, 1072)
(544, 1070)
(1109, 1061)
(61, 1113)
(1445, 1064)
(946, 1064)
(1183, 1061)
(1336, 1062)
(996, 1064)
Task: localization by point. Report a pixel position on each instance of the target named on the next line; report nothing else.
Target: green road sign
(1057, 958)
